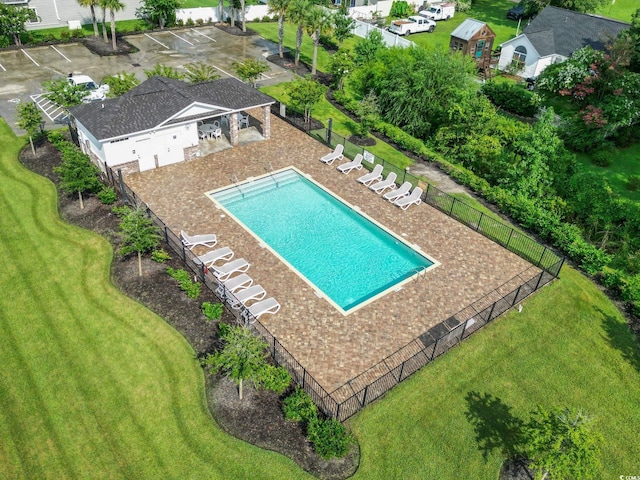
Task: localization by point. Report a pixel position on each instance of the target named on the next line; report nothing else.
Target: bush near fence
(361, 390)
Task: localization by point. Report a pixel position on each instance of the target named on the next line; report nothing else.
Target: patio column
(266, 121)
(233, 129)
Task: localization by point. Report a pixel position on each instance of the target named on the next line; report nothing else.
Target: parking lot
(23, 71)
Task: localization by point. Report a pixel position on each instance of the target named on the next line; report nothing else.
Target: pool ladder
(269, 169)
(234, 179)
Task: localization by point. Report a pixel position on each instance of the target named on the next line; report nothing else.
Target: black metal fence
(368, 386)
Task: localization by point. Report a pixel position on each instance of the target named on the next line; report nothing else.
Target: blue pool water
(342, 253)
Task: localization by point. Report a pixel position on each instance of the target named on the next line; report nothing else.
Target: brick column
(233, 129)
(266, 121)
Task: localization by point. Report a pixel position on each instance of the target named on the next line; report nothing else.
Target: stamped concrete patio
(333, 348)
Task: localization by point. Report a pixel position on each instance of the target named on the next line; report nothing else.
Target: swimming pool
(340, 252)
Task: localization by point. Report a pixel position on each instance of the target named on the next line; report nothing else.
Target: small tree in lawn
(13, 20)
(243, 357)
(138, 234)
(303, 94)
(342, 26)
(250, 70)
(77, 173)
(63, 93)
(562, 445)
(29, 119)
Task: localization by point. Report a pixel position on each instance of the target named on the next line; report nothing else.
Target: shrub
(602, 156)
(298, 407)
(329, 437)
(266, 19)
(160, 256)
(328, 42)
(199, 22)
(276, 379)
(400, 9)
(191, 288)
(107, 195)
(512, 98)
(633, 183)
(213, 311)
(180, 22)
(65, 35)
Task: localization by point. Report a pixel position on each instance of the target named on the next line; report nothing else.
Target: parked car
(516, 13)
(94, 91)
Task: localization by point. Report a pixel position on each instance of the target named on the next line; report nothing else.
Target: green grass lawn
(620, 9)
(96, 386)
(624, 164)
(568, 347)
(93, 384)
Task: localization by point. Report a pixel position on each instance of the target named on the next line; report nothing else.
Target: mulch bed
(97, 46)
(258, 418)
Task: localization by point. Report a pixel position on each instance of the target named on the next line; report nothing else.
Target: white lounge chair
(253, 312)
(356, 163)
(337, 154)
(234, 284)
(191, 241)
(402, 191)
(414, 198)
(374, 175)
(223, 272)
(389, 182)
(209, 258)
(242, 297)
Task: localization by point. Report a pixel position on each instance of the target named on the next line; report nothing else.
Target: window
(519, 58)
(33, 16)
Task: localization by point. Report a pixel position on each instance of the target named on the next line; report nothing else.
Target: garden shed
(474, 38)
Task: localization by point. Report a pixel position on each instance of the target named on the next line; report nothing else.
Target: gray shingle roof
(156, 100)
(468, 29)
(556, 30)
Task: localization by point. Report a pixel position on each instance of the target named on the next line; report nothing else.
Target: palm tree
(103, 5)
(297, 14)
(92, 6)
(317, 23)
(114, 6)
(279, 7)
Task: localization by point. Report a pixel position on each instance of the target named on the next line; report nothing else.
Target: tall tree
(304, 94)
(92, 8)
(562, 445)
(138, 234)
(12, 21)
(280, 8)
(29, 119)
(77, 173)
(114, 6)
(159, 12)
(634, 35)
(104, 7)
(584, 6)
(317, 23)
(297, 15)
(342, 26)
(250, 70)
(243, 357)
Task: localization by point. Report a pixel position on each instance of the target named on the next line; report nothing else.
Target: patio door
(146, 159)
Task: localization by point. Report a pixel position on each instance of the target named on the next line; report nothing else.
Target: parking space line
(226, 73)
(158, 42)
(61, 54)
(3, 69)
(29, 57)
(180, 38)
(203, 35)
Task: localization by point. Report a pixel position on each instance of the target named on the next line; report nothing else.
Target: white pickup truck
(413, 24)
(94, 91)
(439, 11)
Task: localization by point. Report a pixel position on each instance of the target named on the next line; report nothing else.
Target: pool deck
(332, 347)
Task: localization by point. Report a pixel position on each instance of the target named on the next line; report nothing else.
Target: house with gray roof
(157, 122)
(553, 36)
